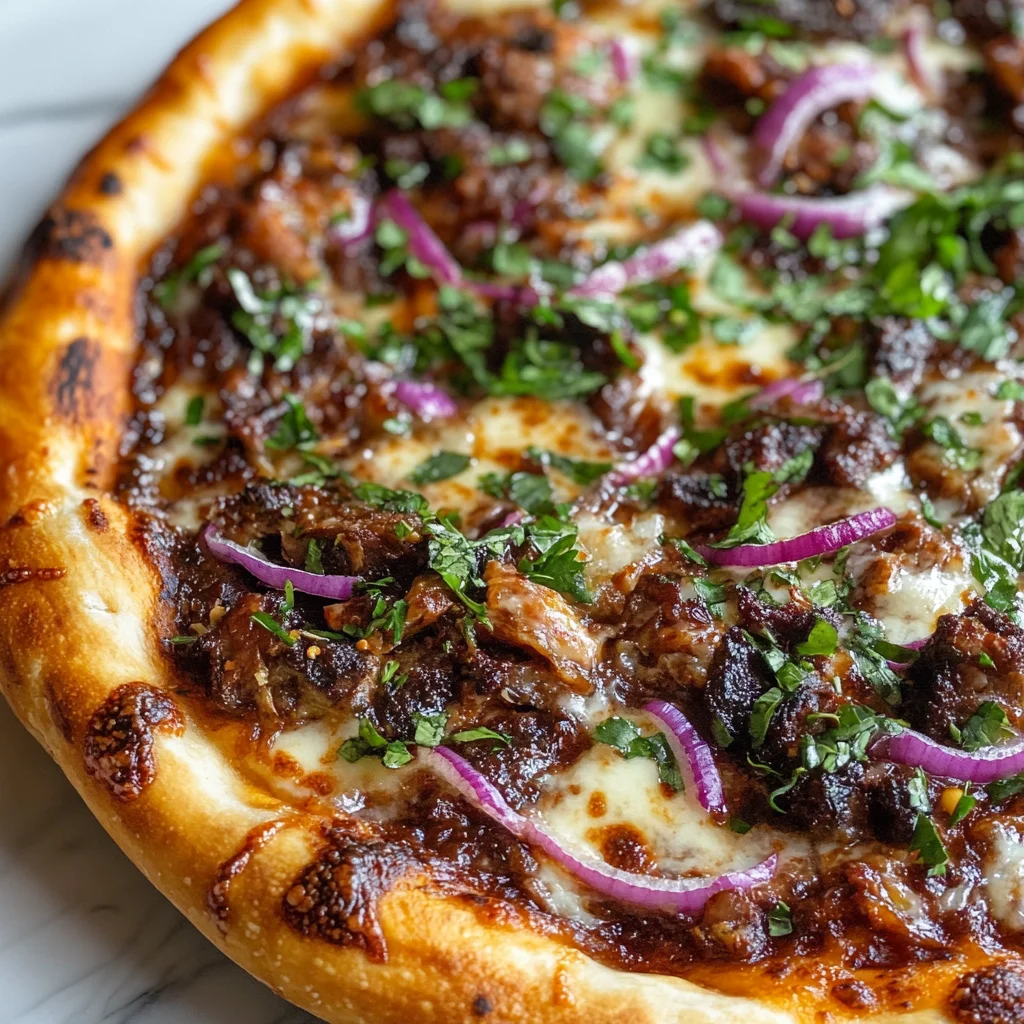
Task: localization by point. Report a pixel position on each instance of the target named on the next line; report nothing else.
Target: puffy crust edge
(66, 644)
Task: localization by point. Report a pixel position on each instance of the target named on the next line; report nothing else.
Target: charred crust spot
(94, 515)
(110, 184)
(217, 898)
(991, 995)
(119, 738)
(73, 235)
(482, 1006)
(73, 380)
(8, 577)
(336, 898)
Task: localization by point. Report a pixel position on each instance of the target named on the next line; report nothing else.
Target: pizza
(515, 513)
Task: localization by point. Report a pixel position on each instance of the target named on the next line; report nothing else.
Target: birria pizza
(515, 514)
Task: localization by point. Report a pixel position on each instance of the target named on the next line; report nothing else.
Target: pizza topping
(819, 541)
(679, 896)
(490, 327)
(426, 400)
(337, 588)
(696, 753)
(848, 216)
(806, 97)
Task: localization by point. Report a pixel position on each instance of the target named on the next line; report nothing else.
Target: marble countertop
(84, 938)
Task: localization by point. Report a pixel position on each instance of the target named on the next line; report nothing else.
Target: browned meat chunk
(949, 680)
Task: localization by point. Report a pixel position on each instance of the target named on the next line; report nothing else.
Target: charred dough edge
(67, 644)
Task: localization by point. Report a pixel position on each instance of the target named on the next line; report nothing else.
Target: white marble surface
(84, 938)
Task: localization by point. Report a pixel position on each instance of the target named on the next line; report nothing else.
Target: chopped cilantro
(928, 845)
(821, 640)
(761, 716)
(624, 736)
(269, 623)
(277, 323)
(578, 471)
(429, 729)
(557, 564)
(441, 466)
(987, 726)
(194, 411)
(1005, 788)
(663, 152)
(409, 106)
(780, 921)
(917, 791)
(314, 558)
(955, 451)
(294, 429)
(168, 291)
(481, 732)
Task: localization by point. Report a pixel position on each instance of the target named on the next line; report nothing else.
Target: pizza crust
(80, 660)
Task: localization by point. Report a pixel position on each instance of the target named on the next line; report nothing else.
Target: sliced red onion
(822, 540)
(335, 588)
(800, 392)
(425, 399)
(913, 50)
(424, 245)
(623, 55)
(715, 157)
(808, 95)
(981, 766)
(514, 518)
(431, 252)
(649, 263)
(655, 460)
(674, 895)
(848, 216)
(686, 741)
(913, 645)
(359, 223)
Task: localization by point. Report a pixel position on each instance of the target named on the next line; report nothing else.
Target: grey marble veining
(84, 938)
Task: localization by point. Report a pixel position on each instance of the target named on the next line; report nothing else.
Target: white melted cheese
(613, 547)
(966, 401)
(494, 434)
(1004, 877)
(676, 830)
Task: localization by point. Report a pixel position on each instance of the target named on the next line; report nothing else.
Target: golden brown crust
(79, 657)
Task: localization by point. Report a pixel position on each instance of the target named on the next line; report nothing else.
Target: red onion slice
(808, 95)
(800, 392)
(335, 588)
(426, 400)
(848, 216)
(913, 50)
(359, 223)
(717, 159)
(981, 766)
(674, 895)
(623, 56)
(652, 262)
(822, 540)
(424, 245)
(655, 460)
(685, 741)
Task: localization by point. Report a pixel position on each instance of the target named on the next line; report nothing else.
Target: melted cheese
(1004, 877)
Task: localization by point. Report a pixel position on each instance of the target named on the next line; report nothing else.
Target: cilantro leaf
(987, 726)
(441, 466)
(928, 845)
